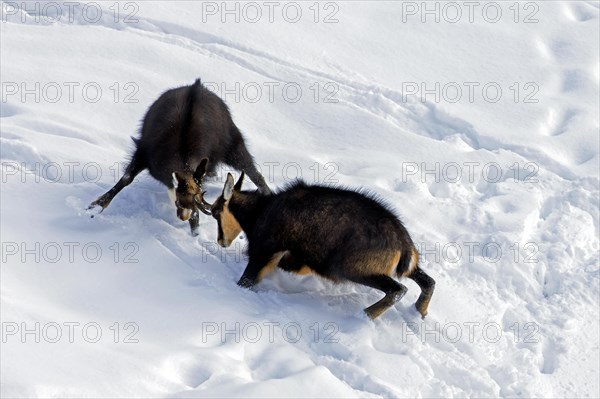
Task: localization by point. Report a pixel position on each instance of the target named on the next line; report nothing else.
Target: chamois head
(189, 196)
(229, 227)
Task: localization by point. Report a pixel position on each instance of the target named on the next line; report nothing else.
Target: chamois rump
(185, 134)
(339, 234)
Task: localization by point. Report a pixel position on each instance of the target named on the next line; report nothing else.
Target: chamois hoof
(94, 209)
(422, 309)
(245, 282)
(371, 314)
(195, 232)
(101, 202)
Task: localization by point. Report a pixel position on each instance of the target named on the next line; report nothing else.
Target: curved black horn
(203, 206)
(204, 211)
(204, 201)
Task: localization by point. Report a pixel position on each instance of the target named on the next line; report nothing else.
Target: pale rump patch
(394, 264)
(414, 262)
(271, 265)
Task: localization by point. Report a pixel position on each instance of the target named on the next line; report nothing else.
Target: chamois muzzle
(203, 206)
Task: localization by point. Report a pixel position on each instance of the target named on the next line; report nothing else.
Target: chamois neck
(245, 207)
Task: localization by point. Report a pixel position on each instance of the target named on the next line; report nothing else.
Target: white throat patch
(172, 194)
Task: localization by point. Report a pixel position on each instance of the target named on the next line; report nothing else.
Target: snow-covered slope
(482, 131)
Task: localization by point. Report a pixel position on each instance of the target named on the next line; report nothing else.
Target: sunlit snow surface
(480, 130)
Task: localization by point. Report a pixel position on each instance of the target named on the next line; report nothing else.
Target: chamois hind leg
(427, 285)
(394, 291)
(136, 165)
(257, 179)
(242, 160)
(293, 265)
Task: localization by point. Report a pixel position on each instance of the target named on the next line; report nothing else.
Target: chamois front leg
(133, 169)
(258, 269)
(195, 222)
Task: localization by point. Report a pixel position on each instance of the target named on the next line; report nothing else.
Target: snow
(501, 197)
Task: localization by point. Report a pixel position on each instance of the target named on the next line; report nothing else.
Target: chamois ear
(201, 170)
(228, 189)
(238, 185)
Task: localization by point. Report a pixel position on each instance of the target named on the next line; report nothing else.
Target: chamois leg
(242, 160)
(394, 291)
(259, 268)
(133, 169)
(292, 265)
(427, 285)
(257, 179)
(195, 222)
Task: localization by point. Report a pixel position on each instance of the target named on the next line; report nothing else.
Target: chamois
(339, 234)
(185, 134)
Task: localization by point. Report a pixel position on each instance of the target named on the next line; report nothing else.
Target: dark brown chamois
(339, 234)
(182, 131)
